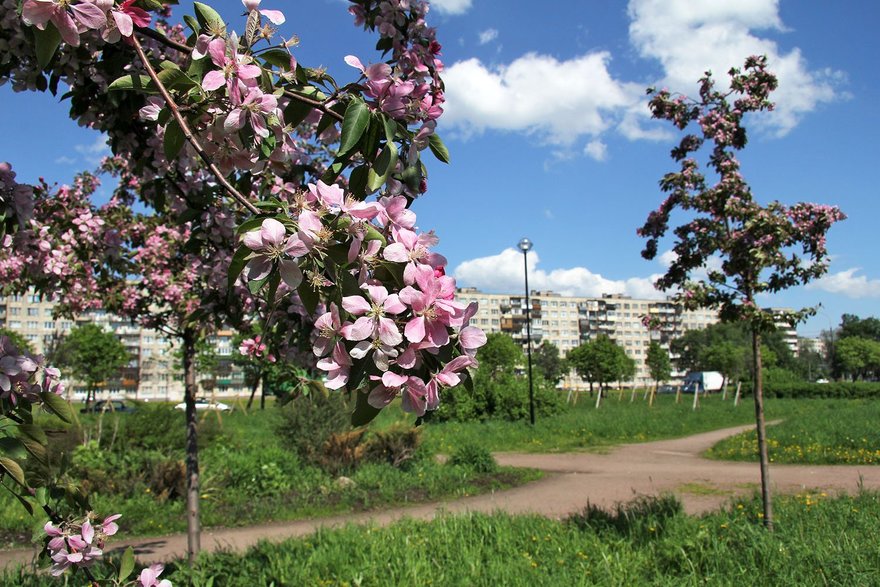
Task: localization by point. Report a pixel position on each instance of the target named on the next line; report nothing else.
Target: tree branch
(187, 132)
(184, 48)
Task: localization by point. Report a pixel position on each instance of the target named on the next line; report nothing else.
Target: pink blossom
(255, 108)
(271, 244)
(235, 68)
(69, 19)
(373, 322)
(412, 389)
(149, 577)
(276, 17)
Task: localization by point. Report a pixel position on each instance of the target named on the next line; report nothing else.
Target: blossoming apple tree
(762, 248)
(278, 195)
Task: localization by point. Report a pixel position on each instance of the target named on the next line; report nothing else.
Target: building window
(14, 311)
(48, 325)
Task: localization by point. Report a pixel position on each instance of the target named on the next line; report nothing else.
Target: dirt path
(572, 480)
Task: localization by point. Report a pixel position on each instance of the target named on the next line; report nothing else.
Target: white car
(205, 404)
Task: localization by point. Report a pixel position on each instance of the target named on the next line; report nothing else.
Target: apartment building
(153, 372)
(568, 321)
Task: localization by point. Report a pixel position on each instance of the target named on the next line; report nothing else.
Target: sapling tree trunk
(193, 525)
(761, 429)
(254, 387)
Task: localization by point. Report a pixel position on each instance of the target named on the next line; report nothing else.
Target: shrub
(317, 427)
(162, 428)
(396, 446)
(342, 452)
(474, 457)
(503, 395)
(833, 389)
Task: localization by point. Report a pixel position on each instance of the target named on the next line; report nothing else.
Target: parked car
(667, 389)
(107, 405)
(205, 404)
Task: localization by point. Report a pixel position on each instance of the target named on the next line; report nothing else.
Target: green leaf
(278, 57)
(363, 412)
(209, 18)
(236, 266)
(175, 79)
(13, 469)
(33, 432)
(25, 503)
(46, 42)
(191, 22)
(174, 140)
(438, 148)
(249, 225)
(255, 285)
(334, 170)
(390, 128)
(384, 165)
(357, 181)
(308, 296)
(58, 406)
(12, 448)
(126, 565)
(296, 112)
(138, 83)
(35, 449)
(357, 117)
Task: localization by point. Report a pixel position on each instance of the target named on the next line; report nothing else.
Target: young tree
(260, 171)
(549, 363)
(91, 355)
(763, 249)
(659, 366)
(601, 361)
(857, 357)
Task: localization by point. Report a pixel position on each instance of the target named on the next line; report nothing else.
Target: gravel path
(571, 480)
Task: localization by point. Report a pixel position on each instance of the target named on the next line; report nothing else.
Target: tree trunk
(254, 387)
(193, 526)
(762, 431)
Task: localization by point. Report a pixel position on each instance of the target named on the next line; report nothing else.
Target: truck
(703, 381)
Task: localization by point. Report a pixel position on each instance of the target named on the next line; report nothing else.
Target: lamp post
(525, 245)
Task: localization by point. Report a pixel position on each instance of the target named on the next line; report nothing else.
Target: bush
(474, 457)
(342, 453)
(160, 427)
(833, 389)
(501, 395)
(396, 446)
(308, 422)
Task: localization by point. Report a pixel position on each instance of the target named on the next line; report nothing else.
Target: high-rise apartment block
(568, 321)
(153, 371)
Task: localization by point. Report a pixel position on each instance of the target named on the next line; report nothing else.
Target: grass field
(819, 541)
(843, 432)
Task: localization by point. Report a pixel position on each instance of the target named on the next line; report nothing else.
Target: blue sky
(550, 138)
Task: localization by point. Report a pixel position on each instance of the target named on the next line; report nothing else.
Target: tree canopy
(91, 354)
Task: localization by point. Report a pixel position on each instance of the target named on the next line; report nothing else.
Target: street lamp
(525, 245)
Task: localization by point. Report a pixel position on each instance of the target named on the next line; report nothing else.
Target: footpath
(571, 481)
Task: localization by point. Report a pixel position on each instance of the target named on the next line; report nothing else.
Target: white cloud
(561, 101)
(849, 284)
(488, 36)
(93, 152)
(548, 214)
(65, 160)
(557, 101)
(597, 150)
(452, 7)
(688, 38)
(504, 273)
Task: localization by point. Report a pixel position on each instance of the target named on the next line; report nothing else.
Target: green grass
(818, 541)
(583, 427)
(248, 476)
(841, 432)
